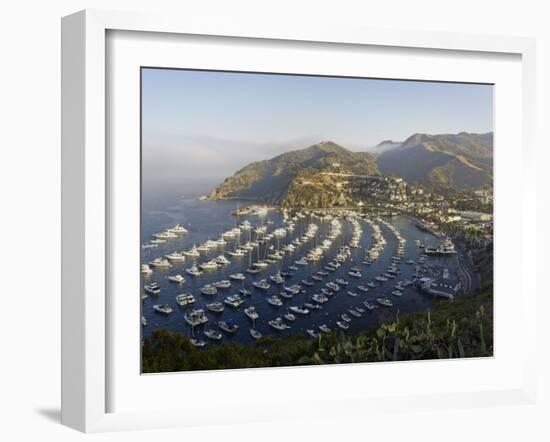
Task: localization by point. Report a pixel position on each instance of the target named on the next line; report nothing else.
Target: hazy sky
(206, 125)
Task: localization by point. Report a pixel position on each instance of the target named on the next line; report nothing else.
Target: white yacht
(255, 333)
(237, 277)
(152, 288)
(293, 289)
(193, 251)
(209, 290)
(213, 334)
(146, 270)
(177, 279)
(262, 284)
(216, 307)
(342, 325)
(324, 328)
(199, 343)
(345, 317)
(385, 302)
(175, 256)
(278, 324)
(222, 260)
(312, 333)
(234, 301)
(260, 264)
(185, 299)
(165, 235)
(160, 262)
(237, 252)
(369, 305)
(277, 278)
(196, 317)
(251, 312)
(177, 229)
(194, 271)
(165, 309)
(209, 265)
(290, 317)
(211, 244)
(275, 301)
(299, 310)
(224, 284)
(228, 326)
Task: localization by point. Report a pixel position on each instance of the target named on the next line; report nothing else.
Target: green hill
(457, 161)
(276, 180)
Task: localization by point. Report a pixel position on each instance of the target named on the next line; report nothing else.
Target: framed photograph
(317, 215)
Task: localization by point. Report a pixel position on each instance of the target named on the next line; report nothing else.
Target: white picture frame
(85, 209)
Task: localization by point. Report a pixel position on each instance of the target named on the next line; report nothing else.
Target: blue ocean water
(208, 219)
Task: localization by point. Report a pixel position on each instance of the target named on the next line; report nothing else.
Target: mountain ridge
(447, 161)
(458, 161)
(270, 180)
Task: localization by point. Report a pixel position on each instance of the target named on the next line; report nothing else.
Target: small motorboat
(216, 307)
(233, 301)
(175, 256)
(193, 271)
(324, 328)
(290, 317)
(278, 324)
(199, 343)
(262, 284)
(165, 309)
(255, 333)
(342, 325)
(385, 302)
(345, 317)
(312, 333)
(177, 279)
(275, 301)
(213, 334)
(237, 277)
(209, 290)
(225, 284)
(251, 312)
(185, 299)
(228, 326)
(369, 305)
(152, 288)
(299, 310)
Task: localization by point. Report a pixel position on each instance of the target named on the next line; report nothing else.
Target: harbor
(219, 273)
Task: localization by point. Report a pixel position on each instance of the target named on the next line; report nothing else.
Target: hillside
(278, 179)
(458, 161)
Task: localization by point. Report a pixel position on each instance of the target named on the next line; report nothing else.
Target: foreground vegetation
(461, 328)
